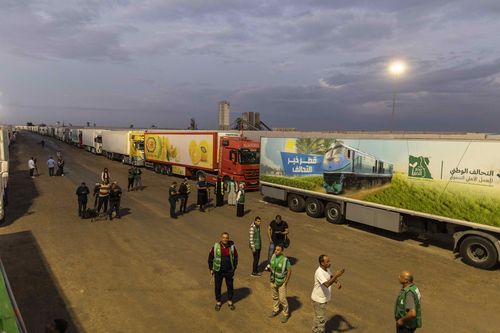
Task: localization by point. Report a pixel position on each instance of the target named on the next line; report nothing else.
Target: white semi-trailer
(92, 140)
(123, 145)
(416, 183)
(4, 170)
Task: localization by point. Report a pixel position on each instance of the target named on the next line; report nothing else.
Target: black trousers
(114, 205)
(51, 172)
(255, 264)
(240, 210)
(32, 170)
(173, 202)
(402, 329)
(130, 184)
(219, 200)
(103, 201)
(218, 277)
(184, 199)
(82, 207)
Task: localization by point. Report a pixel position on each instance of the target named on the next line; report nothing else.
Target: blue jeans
(270, 253)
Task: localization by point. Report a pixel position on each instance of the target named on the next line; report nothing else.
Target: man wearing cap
(322, 291)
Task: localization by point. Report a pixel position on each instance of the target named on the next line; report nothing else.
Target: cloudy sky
(312, 65)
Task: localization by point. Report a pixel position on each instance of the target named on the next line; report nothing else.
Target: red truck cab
(239, 159)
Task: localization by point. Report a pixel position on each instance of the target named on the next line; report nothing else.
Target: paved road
(148, 273)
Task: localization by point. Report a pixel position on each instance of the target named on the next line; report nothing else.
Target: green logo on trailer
(418, 167)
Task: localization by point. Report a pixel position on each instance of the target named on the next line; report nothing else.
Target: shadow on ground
(34, 287)
(338, 323)
(21, 188)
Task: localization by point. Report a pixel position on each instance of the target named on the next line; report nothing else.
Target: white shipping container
(116, 142)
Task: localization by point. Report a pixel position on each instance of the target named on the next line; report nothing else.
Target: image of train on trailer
(348, 168)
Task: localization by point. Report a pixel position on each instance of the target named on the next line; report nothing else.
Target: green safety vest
(218, 257)
(241, 199)
(400, 308)
(256, 237)
(279, 269)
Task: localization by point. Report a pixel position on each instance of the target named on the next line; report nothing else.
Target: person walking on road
(231, 192)
(184, 190)
(408, 309)
(219, 192)
(115, 195)
(42, 143)
(137, 178)
(130, 178)
(222, 263)
(51, 165)
(277, 231)
(103, 196)
(31, 166)
(105, 175)
(322, 291)
(172, 199)
(82, 192)
(281, 272)
(255, 245)
(240, 199)
(202, 187)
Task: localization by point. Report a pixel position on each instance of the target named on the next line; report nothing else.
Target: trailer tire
(333, 213)
(315, 207)
(157, 168)
(168, 170)
(478, 252)
(296, 203)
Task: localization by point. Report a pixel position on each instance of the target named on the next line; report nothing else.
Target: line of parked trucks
(416, 183)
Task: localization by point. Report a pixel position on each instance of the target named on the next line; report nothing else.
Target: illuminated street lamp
(396, 69)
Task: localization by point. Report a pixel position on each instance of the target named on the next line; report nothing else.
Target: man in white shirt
(31, 166)
(321, 294)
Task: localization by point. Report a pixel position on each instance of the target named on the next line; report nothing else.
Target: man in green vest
(255, 245)
(281, 271)
(222, 263)
(408, 311)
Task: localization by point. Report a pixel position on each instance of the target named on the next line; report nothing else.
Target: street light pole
(393, 105)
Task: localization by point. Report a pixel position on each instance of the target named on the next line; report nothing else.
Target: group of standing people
(134, 177)
(235, 197)
(178, 194)
(223, 261)
(51, 165)
(104, 193)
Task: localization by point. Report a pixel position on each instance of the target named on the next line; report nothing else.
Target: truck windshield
(139, 145)
(249, 156)
(98, 139)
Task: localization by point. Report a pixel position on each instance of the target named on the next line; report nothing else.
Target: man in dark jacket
(115, 195)
(184, 190)
(172, 199)
(222, 263)
(82, 192)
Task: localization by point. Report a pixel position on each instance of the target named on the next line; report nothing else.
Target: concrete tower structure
(224, 111)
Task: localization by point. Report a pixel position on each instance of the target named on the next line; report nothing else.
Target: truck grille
(252, 174)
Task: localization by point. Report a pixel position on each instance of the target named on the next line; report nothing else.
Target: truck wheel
(314, 207)
(333, 213)
(168, 170)
(296, 203)
(478, 252)
(157, 168)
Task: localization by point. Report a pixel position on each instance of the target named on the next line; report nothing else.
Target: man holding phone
(321, 294)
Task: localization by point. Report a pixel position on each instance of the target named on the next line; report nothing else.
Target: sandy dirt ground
(148, 273)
